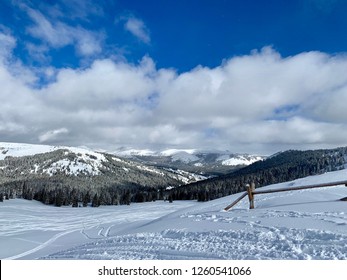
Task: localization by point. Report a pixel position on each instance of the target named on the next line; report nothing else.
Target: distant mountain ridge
(210, 162)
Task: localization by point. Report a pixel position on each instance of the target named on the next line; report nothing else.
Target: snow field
(303, 224)
(30, 229)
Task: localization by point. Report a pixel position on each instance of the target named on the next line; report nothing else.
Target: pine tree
(96, 201)
(75, 202)
(58, 199)
(86, 199)
(127, 197)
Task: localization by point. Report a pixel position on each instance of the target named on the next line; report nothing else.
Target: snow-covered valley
(305, 224)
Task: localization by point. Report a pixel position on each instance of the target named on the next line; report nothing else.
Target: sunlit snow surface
(305, 224)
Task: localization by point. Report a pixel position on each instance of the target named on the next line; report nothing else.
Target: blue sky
(179, 34)
(248, 76)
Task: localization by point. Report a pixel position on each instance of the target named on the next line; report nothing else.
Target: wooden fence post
(250, 190)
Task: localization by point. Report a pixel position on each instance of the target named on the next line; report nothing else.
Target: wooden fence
(251, 191)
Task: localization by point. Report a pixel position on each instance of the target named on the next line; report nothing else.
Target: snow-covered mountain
(146, 152)
(192, 159)
(194, 156)
(74, 160)
(236, 160)
(302, 224)
(60, 175)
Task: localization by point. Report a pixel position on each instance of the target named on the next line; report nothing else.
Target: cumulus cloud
(261, 102)
(104, 85)
(137, 27)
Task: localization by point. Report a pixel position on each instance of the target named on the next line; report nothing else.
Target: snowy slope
(22, 149)
(235, 160)
(86, 161)
(19, 149)
(305, 224)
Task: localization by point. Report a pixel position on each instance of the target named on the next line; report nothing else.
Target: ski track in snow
(45, 244)
(272, 243)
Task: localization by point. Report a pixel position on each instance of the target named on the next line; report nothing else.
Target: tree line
(57, 194)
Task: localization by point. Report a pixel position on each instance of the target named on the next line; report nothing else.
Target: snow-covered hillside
(19, 149)
(23, 149)
(305, 224)
(235, 160)
(85, 162)
(80, 161)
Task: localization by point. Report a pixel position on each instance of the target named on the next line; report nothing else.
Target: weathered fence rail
(235, 202)
(251, 192)
(333, 184)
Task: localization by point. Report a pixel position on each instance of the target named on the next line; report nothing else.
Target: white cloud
(260, 103)
(81, 9)
(137, 27)
(55, 35)
(53, 135)
(18, 105)
(7, 43)
(87, 43)
(9, 61)
(58, 34)
(37, 52)
(105, 85)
